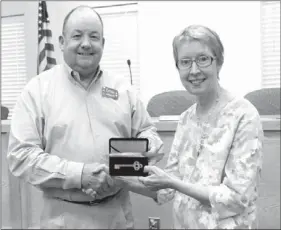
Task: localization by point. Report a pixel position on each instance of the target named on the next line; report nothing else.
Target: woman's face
(197, 80)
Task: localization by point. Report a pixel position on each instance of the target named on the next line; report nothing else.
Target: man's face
(82, 43)
(197, 80)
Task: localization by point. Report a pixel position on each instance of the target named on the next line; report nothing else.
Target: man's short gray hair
(76, 8)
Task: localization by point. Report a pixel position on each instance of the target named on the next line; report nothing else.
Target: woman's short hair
(202, 34)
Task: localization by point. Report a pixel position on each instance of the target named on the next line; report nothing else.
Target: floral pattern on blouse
(229, 165)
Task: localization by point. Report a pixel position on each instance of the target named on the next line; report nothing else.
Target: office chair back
(170, 103)
(267, 100)
(4, 113)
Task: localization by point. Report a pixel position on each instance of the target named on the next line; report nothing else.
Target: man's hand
(95, 179)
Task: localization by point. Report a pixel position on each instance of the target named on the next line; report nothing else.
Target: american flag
(46, 58)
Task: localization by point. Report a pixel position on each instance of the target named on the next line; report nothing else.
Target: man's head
(82, 40)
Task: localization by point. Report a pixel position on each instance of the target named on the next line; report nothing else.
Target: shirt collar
(72, 74)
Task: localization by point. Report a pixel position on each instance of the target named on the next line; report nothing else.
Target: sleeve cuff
(73, 175)
(164, 196)
(154, 141)
(224, 202)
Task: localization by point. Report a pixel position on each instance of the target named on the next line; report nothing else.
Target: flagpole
(46, 59)
(37, 59)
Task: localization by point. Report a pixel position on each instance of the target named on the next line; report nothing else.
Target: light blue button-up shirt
(59, 125)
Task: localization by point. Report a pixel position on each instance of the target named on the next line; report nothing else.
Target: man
(61, 128)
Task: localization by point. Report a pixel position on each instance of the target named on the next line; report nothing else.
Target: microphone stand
(129, 64)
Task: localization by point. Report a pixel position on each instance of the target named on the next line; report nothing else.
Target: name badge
(110, 93)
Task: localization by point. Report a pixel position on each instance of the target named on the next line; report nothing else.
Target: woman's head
(199, 56)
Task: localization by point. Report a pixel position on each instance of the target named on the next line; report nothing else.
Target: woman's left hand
(157, 179)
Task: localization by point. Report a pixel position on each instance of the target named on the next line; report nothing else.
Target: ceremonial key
(136, 165)
(127, 166)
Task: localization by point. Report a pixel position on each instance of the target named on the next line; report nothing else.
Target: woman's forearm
(198, 192)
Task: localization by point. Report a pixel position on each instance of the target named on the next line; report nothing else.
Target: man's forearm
(42, 169)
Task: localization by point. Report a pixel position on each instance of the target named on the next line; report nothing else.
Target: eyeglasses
(201, 61)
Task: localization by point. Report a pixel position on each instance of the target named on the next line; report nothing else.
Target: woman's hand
(157, 179)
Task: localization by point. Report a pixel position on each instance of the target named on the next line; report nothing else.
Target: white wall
(58, 10)
(237, 23)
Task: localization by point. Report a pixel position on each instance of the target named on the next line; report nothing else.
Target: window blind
(270, 37)
(121, 42)
(13, 61)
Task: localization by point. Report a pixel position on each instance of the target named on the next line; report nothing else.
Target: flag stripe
(46, 59)
(47, 33)
(42, 55)
(44, 33)
(51, 61)
(46, 51)
(42, 65)
(49, 46)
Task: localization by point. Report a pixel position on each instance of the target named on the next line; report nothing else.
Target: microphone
(129, 64)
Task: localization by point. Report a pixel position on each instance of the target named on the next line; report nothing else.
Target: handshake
(96, 180)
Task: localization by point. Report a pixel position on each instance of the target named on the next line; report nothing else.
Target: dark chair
(267, 100)
(170, 103)
(4, 113)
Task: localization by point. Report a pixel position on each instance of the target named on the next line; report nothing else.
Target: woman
(213, 168)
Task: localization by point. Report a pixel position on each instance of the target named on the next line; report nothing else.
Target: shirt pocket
(57, 132)
(112, 112)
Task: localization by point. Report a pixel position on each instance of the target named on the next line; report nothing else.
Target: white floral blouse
(229, 165)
